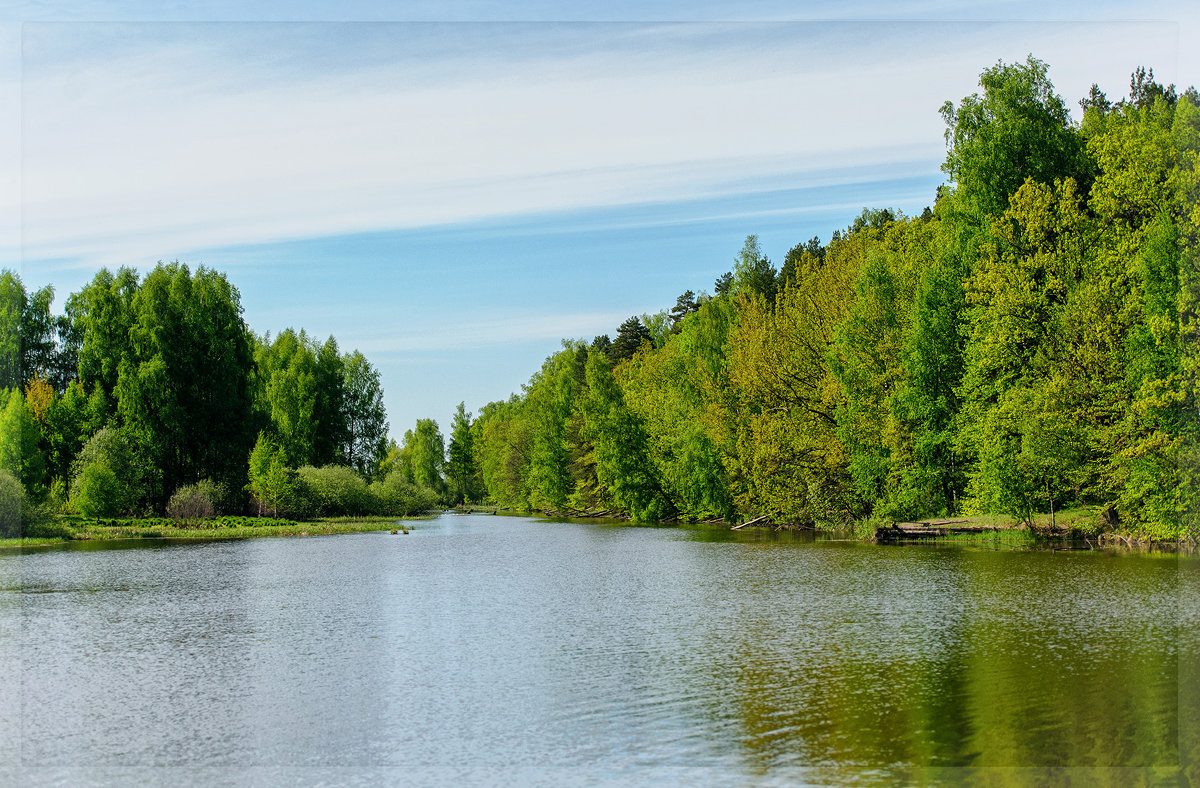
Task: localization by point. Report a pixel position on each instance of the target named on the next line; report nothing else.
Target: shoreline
(115, 529)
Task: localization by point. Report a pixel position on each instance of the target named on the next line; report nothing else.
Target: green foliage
(272, 482)
(365, 420)
(12, 504)
(98, 491)
(334, 490)
(753, 272)
(184, 381)
(619, 444)
(423, 456)
(1017, 130)
(631, 336)
(118, 450)
(395, 496)
(195, 501)
(461, 474)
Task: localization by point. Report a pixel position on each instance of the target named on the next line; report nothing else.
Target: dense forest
(150, 395)
(1027, 344)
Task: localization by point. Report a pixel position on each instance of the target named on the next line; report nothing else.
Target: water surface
(505, 650)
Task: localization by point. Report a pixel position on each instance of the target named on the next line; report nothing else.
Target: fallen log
(749, 522)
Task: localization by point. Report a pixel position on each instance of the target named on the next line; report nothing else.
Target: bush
(195, 501)
(97, 491)
(396, 496)
(332, 491)
(116, 450)
(12, 504)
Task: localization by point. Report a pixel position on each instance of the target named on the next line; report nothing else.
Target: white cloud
(151, 142)
(162, 149)
(474, 334)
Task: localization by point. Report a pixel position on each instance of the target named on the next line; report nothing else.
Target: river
(510, 651)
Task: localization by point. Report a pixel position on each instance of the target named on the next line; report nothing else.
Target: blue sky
(453, 188)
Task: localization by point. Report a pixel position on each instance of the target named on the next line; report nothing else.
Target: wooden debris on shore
(930, 529)
(755, 521)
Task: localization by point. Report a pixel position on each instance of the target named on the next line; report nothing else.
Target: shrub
(12, 502)
(396, 496)
(97, 491)
(195, 501)
(332, 491)
(116, 450)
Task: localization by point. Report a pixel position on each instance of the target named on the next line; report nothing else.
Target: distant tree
(1095, 99)
(366, 419)
(601, 343)
(630, 336)
(801, 257)
(426, 454)
(753, 271)
(684, 306)
(184, 381)
(460, 467)
(1143, 90)
(329, 406)
(658, 325)
(1019, 128)
(287, 368)
(873, 218)
(101, 316)
(271, 481)
(12, 501)
(117, 449)
(723, 284)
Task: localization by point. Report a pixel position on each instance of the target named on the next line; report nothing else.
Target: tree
(622, 464)
(184, 380)
(1018, 129)
(426, 450)
(271, 481)
(329, 407)
(753, 272)
(19, 449)
(101, 316)
(460, 467)
(117, 449)
(684, 306)
(366, 423)
(631, 335)
(98, 492)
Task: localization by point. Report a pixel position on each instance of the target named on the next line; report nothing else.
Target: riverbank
(70, 528)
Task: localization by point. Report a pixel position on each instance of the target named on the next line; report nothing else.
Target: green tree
(631, 335)
(622, 462)
(288, 393)
(753, 272)
(19, 445)
(1017, 130)
(272, 483)
(101, 316)
(118, 450)
(461, 474)
(366, 425)
(330, 408)
(426, 455)
(185, 384)
(98, 492)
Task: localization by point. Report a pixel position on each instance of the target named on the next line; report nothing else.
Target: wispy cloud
(511, 330)
(175, 138)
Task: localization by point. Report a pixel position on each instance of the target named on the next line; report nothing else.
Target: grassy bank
(65, 528)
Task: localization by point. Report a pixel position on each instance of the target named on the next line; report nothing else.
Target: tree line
(1026, 344)
(151, 393)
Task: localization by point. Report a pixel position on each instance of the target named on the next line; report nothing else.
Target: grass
(65, 528)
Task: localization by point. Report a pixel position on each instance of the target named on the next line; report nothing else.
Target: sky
(454, 188)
